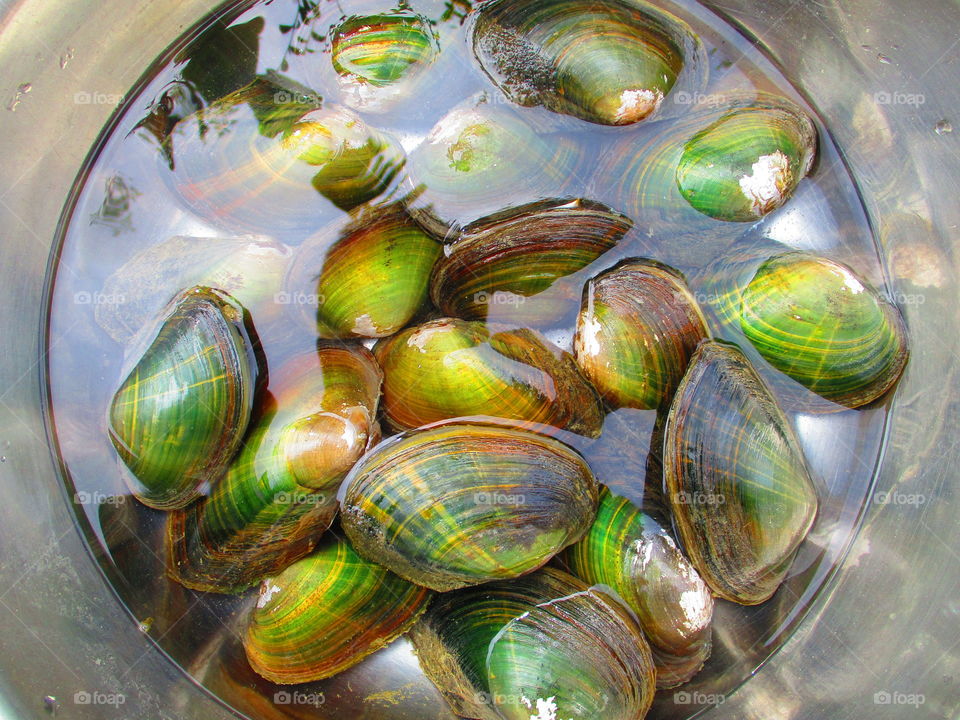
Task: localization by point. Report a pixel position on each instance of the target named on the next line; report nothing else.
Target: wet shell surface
(327, 612)
(450, 368)
(735, 478)
(542, 646)
(513, 265)
(639, 324)
(630, 552)
(280, 493)
(459, 504)
(374, 278)
(178, 418)
(606, 62)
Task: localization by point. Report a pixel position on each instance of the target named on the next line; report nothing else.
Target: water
(124, 205)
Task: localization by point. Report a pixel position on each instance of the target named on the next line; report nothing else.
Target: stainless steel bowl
(883, 641)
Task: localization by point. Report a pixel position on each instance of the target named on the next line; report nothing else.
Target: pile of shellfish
(419, 471)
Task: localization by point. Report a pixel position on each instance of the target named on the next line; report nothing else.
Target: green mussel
(450, 368)
(325, 613)
(179, 416)
(280, 493)
(478, 160)
(608, 62)
(377, 57)
(735, 477)
(638, 326)
(458, 504)
(821, 324)
(270, 160)
(747, 163)
(735, 161)
(521, 265)
(374, 278)
(630, 552)
(544, 646)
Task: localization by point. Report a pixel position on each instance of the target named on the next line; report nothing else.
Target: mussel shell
(480, 159)
(180, 415)
(458, 504)
(735, 478)
(747, 163)
(638, 326)
(628, 551)
(249, 269)
(449, 368)
(505, 266)
(653, 176)
(377, 56)
(267, 160)
(821, 324)
(606, 62)
(327, 612)
(374, 278)
(542, 646)
(280, 493)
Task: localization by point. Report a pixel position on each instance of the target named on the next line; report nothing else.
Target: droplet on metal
(145, 625)
(943, 127)
(50, 704)
(884, 59)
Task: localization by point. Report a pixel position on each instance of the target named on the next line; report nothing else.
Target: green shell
(280, 162)
(655, 175)
(179, 416)
(480, 159)
(383, 49)
(448, 368)
(512, 266)
(280, 493)
(543, 646)
(374, 278)
(459, 505)
(735, 477)
(747, 163)
(628, 551)
(638, 326)
(327, 612)
(821, 324)
(607, 62)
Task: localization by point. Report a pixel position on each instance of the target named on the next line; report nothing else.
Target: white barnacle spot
(420, 337)
(364, 325)
(546, 709)
(637, 104)
(767, 186)
(267, 591)
(697, 608)
(853, 285)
